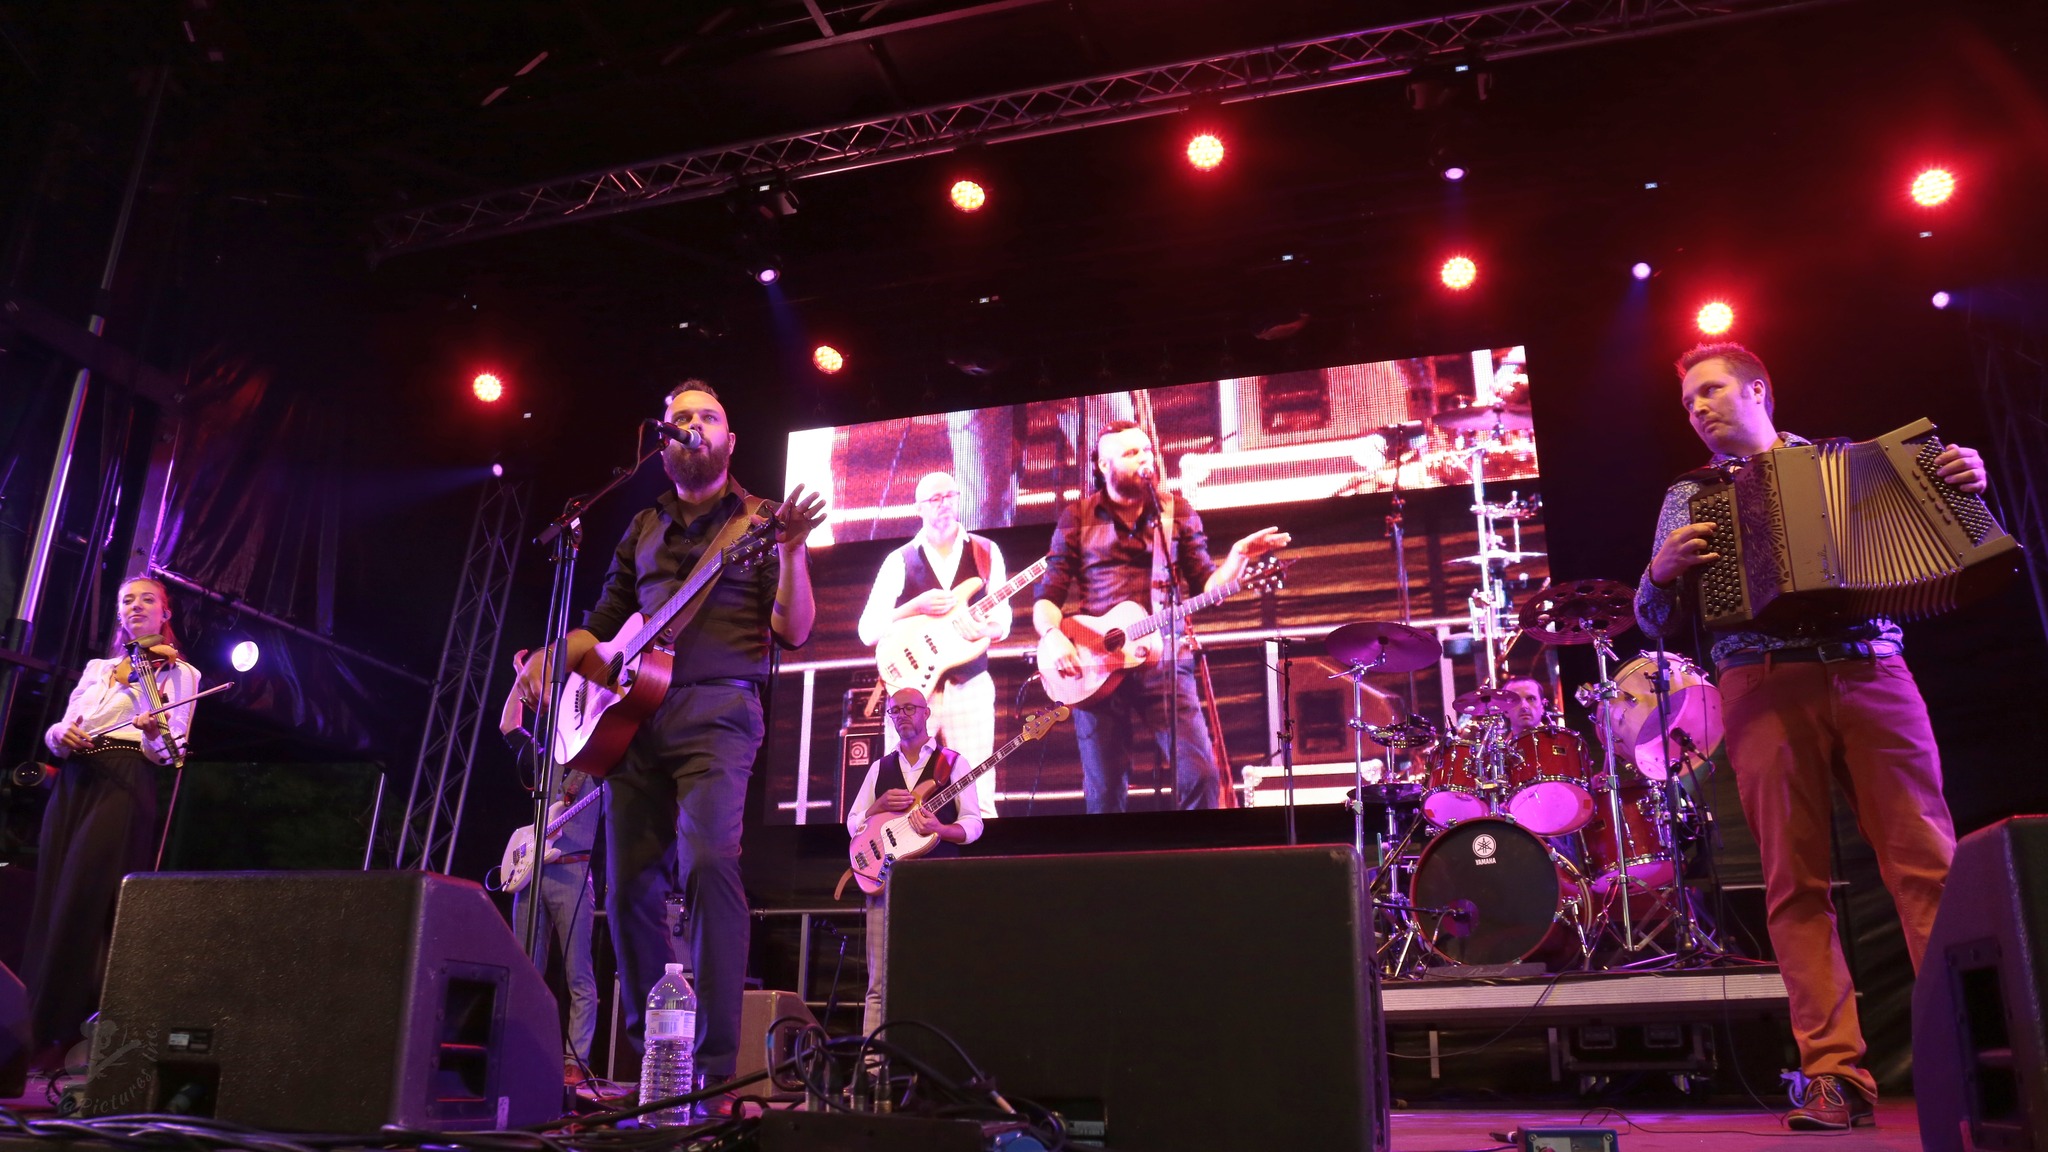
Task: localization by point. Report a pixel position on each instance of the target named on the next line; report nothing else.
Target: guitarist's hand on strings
(894, 800)
(933, 602)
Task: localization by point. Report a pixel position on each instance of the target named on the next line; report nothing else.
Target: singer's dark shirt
(1107, 562)
(729, 636)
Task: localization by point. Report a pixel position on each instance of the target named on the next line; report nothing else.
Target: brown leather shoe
(1830, 1104)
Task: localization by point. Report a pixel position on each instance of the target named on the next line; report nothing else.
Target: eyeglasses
(907, 709)
(940, 497)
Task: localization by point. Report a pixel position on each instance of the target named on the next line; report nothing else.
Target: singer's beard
(1131, 489)
(692, 471)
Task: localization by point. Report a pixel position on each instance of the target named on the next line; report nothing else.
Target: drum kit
(1508, 839)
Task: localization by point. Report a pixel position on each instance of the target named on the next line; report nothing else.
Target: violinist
(101, 824)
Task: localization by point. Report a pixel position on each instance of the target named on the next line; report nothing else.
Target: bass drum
(1510, 897)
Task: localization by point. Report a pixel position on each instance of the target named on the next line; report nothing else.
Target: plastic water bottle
(667, 1065)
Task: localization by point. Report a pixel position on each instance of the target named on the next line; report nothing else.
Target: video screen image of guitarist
(1333, 457)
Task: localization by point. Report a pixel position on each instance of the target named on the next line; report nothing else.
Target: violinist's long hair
(118, 645)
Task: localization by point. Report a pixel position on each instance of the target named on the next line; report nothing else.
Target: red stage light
(1715, 318)
(967, 195)
(1205, 151)
(488, 388)
(1933, 187)
(1458, 273)
(828, 359)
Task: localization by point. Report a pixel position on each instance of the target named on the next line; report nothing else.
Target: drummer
(1524, 704)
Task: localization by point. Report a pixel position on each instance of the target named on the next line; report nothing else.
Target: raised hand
(800, 514)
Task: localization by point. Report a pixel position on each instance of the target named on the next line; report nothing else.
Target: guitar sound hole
(1113, 641)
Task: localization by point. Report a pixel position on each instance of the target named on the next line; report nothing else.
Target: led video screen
(1348, 460)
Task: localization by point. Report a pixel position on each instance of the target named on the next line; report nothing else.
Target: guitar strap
(734, 527)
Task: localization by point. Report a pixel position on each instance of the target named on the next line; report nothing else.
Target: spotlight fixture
(1940, 300)
(1933, 188)
(1205, 151)
(1641, 271)
(244, 655)
(767, 272)
(1452, 172)
(827, 359)
(967, 195)
(1715, 317)
(1458, 273)
(498, 471)
(487, 387)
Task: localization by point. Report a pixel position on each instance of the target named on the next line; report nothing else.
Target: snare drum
(1649, 865)
(1508, 895)
(1547, 785)
(1453, 792)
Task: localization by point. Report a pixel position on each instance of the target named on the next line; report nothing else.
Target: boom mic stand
(564, 537)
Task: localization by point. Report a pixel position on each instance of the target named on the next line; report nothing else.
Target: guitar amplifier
(1842, 531)
(860, 742)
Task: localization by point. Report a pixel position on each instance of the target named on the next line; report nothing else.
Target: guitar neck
(569, 813)
(944, 796)
(1186, 608)
(1007, 589)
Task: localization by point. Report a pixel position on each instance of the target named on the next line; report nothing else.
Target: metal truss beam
(458, 707)
(1493, 33)
(2010, 347)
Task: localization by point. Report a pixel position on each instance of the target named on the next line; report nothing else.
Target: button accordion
(1816, 534)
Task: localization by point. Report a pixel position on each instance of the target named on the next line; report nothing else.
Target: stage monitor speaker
(322, 1001)
(1980, 1051)
(769, 1023)
(14, 1034)
(1162, 1001)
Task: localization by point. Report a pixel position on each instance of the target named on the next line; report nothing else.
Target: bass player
(678, 796)
(887, 792)
(1104, 552)
(921, 578)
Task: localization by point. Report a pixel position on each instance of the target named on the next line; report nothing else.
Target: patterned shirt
(1111, 562)
(1666, 611)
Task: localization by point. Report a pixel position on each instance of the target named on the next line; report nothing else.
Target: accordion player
(1842, 530)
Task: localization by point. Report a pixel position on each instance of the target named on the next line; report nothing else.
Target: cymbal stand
(1599, 698)
(1357, 674)
(1693, 942)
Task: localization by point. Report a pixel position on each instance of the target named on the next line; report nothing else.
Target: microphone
(687, 437)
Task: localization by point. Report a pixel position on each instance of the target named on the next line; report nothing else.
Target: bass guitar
(917, 650)
(1125, 637)
(879, 846)
(619, 684)
(516, 866)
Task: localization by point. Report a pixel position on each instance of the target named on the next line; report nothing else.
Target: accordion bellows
(1826, 533)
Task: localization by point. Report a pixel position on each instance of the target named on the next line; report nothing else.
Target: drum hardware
(1367, 647)
(1522, 898)
(1486, 418)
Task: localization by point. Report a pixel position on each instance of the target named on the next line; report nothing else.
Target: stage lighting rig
(1458, 273)
(487, 387)
(1933, 187)
(1715, 317)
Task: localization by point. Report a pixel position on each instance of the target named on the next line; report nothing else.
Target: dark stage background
(337, 456)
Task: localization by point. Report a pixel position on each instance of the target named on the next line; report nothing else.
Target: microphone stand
(1171, 655)
(143, 673)
(564, 537)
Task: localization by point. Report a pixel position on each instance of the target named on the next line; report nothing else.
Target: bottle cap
(675, 969)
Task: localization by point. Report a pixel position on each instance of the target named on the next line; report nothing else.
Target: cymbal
(1490, 418)
(1383, 646)
(1482, 700)
(1417, 733)
(1504, 555)
(1576, 611)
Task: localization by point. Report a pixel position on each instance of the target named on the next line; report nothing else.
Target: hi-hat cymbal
(1383, 646)
(1576, 611)
(1487, 418)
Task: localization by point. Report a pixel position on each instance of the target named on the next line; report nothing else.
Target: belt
(1829, 653)
(109, 744)
(722, 682)
(572, 858)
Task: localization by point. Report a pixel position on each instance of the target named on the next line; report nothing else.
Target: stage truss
(1495, 33)
(458, 708)
(2011, 356)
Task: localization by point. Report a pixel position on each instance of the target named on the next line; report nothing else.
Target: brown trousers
(1793, 727)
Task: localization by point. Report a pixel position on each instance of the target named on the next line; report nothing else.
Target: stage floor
(1658, 1130)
